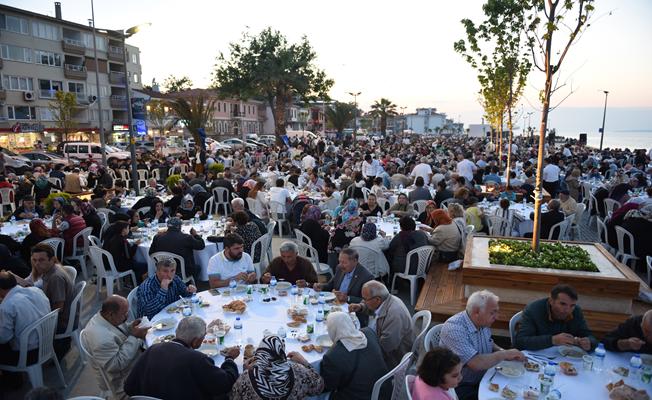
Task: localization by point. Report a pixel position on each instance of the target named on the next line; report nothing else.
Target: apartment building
(40, 55)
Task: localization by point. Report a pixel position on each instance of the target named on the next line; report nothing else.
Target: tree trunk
(509, 144)
(500, 144)
(279, 118)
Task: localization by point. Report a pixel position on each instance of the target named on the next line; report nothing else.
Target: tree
(339, 115)
(159, 118)
(268, 66)
(62, 107)
(194, 112)
(172, 84)
(382, 109)
(545, 19)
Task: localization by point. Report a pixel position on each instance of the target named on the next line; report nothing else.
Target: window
(15, 53)
(101, 43)
(134, 58)
(23, 84)
(87, 39)
(76, 87)
(45, 31)
(94, 114)
(48, 88)
(83, 148)
(219, 108)
(96, 150)
(45, 114)
(71, 148)
(21, 112)
(92, 90)
(135, 78)
(14, 24)
(47, 58)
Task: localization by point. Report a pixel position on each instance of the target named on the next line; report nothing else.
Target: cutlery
(494, 374)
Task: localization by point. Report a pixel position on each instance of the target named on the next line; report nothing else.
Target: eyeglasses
(367, 300)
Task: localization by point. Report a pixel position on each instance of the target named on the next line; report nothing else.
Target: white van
(301, 134)
(84, 151)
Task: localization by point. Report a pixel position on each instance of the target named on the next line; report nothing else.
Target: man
(73, 183)
(58, 288)
(29, 209)
(177, 242)
(291, 267)
(554, 321)
(332, 198)
(231, 263)
(466, 167)
(567, 204)
(370, 168)
(221, 181)
(635, 335)
(349, 278)
(308, 162)
(390, 320)
(550, 218)
(315, 183)
(420, 192)
(443, 193)
(424, 170)
(19, 308)
(279, 193)
(239, 205)
(113, 344)
(175, 370)
(550, 177)
(165, 287)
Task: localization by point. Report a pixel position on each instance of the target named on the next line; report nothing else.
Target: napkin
(144, 323)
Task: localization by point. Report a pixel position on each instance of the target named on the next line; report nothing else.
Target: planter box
(611, 290)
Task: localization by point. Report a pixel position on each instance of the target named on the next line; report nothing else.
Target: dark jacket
(93, 221)
(341, 376)
(402, 244)
(537, 327)
(259, 222)
(548, 220)
(360, 276)
(628, 329)
(419, 193)
(180, 243)
(442, 195)
(122, 252)
(145, 202)
(37, 210)
(192, 374)
(319, 237)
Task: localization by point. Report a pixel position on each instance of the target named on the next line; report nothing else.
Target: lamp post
(355, 115)
(604, 115)
(529, 126)
(97, 86)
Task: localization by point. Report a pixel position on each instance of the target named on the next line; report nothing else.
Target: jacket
(446, 238)
(180, 243)
(76, 224)
(630, 328)
(394, 330)
(360, 277)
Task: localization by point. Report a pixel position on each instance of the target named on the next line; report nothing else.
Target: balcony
(47, 93)
(115, 53)
(119, 102)
(237, 114)
(73, 71)
(3, 94)
(117, 77)
(73, 46)
(120, 121)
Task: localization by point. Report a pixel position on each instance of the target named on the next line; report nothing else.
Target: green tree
(62, 108)
(381, 109)
(158, 116)
(194, 112)
(339, 115)
(172, 84)
(268, 66)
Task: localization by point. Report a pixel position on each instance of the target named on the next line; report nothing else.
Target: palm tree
(194, 111)
(382, 109)
(339, 115)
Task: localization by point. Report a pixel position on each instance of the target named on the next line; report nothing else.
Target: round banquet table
(257, 317)
(19, 229)
(585, 385)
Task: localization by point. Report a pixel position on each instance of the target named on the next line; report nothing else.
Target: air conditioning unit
(29, 96)
(92, 98)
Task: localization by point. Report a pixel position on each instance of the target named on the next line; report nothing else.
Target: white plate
(164, 324)
(240, 289)
(283, 285)
(572, 351)
(324, 341)
(511, 369)
(209, 350)
(329, 296)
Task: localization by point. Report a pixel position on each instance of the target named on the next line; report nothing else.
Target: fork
(494, 374)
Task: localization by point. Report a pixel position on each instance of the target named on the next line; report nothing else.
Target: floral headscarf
(349, 210)
(311, 212)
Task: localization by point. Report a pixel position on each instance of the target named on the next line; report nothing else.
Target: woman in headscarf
(402, 208)
(354, 363)
(407, 239)
(87, 211)
(348, 224)
(446, 237)
(369, 238)
(13, 263)
(38, 233)
(115, 242)
(187, 209)
(57, 204)
(310, 225)
(199, 195)
(245, 187)
(426, 216)
(42, 188)
(272, 375)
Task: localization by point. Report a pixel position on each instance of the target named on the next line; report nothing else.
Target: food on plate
(531, 366)
(165, 338)
(494, 387)
(301, 319)
(282, 293)
(303, 338)
(568, 368)
(249, 351)
(225, 351)
(226, 293)
(310, 347)
(219, 325)
(622, 371)
(236, 306)
(209, 341)
(531, 394)
(572, 352)
(314, 301)
(620, 391)
(294, 324)
(508, 393)
(173, 309)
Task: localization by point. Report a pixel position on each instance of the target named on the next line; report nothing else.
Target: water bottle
(238, 327)
(550, 371)
(355, 320)
(327, 310)
(320, 315)
(12, 220)
(272, 284)
(400, 188)
(281, 333)
(233, 284)
(321, 300)
(635, 363)
(599, 354)
(294, 290)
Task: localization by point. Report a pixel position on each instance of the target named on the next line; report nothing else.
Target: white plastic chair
(104, 217)
(79, 253)
(110, 275)
(302, 237)
(103, 376)
(513, 324)
(278, 213)
(270, 237)
(76, 307)
(626, 253)
(373, 260)
(44, 328)
(57, 245)
(409, 383)
(579, 213)
(143, 210)
(94, 241)
(105, 211)
(420, 323)
(132, 299)
(210, 208)
(375, 392)
(143, 175)
(424, 254)
(383, 203)
(593, 206)
(7, 199)
(125, 176)
(499, 226)
(432, 337)
(221, 196)
(56, 182)
(309, 252)
(603, 236)
(259, 262)
(444, 203)
(181, 263)
(561, 227)
(365, 193)
(611, 205)
(71, 271)
(420, 206)
(648, 260)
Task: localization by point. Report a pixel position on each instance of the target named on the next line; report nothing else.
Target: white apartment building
(40, 55)
(425, 120)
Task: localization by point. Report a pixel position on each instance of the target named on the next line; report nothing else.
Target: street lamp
(97, 86)
(604, 115)
(355, 116)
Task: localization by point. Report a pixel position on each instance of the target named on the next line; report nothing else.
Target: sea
(632, 139)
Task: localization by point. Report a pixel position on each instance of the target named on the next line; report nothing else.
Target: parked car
(300, 134)
(86, 150)
(44, 158)
(238, 144)
(15, 162)
(256, 143)
(269, 140)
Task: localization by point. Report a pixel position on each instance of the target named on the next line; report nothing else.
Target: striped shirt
(152, 298)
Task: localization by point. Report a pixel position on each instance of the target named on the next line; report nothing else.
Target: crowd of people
(333, 192)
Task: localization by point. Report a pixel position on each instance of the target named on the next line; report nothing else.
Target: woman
(348, 224)
(245, 187)
(87, 211)
(378, 188)
(456, 212)
(355, 361)
(446, 237)
(260, 201)
(187, 209)
(42, 188)
(38, 232)
(402, 208)
(573, 183)
(157, 213)
(407, 239)
(199, 195)
(310, 225)
(475, 216)
(504, 212)
(175, 201)
(12, 263)
(271, 375)
(426, 216)
(247, 230)
(57, 205)
(508, 194)
(115, 242)
(370, 239)
(371, 207)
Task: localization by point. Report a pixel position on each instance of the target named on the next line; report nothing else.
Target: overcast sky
(401, 50)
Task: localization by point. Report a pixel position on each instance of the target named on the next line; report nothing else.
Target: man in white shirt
(231, 263)
(465, 167)
(308, 162)
(423, 170)
(369, 167)
(550, 177)
(279, 193)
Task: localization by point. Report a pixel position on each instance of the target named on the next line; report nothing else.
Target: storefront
(21, 136)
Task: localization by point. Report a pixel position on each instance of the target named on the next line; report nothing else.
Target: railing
(74, 42)
(47, 93)
(76, 68)
(116, 49)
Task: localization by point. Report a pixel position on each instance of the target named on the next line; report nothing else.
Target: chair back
(270, 228)
(143, 174)
(221, 195)
(210, 208)
(98, 256)
(603, 233)
(104, 217)
(132, 299)
(124, 175)
(375, 392)
(586, 192)
(444, 203)
(44, 329)
(309, 252)
(277, 210)
(611, 205)
(76, 307)
(94, 241)
(55, 181)
(57, 245)
(424, 254)
(579, 213)
(156, 174)
(409, 383)
(105, 211)
(514, 323)
(89, 356)
(421, 321)
(499, 226)
(559, 229)
(144, 398)
(625, 248)
(143, 210)
(383, 203)
(367, 256)
(71, 271)
(251, 204)
(181, 263)
(77, 249)
(365, 193)
(7, 196)
(432, 337)
(648, 261)
(420, 205)
(302, 237)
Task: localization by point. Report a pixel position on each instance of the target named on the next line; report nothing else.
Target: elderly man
(554, 321)
(349, 278)
(567, 204)
(29, 209)
(635, 335)
(73, 182)
(390, 320)
(113, 344)
(177, 242)
(165, 287)
(291, 267)
(550, 218)
(239, 205)
(231, 263)
(174, 370)
(468, 335)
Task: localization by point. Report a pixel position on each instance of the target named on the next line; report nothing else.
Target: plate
(324, 341)
(511, 369)
(164, 324)
(209, 350)
(329, 296)
(162, 339)
(240, 289)
(572, 352)
(283, 285)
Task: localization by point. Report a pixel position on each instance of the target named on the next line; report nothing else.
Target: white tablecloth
(590, 385)
(129, 201)
(17, 230)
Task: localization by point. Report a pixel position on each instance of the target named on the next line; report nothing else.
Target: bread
(568, 368)
(236, 306)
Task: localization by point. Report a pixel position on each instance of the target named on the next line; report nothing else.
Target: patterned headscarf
(150, 192)
(440, 217)
(271, 376)
(368, 232)
(349, 210)
(174, 223)
(311, 212)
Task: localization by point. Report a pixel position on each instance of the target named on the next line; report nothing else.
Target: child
(439, 374)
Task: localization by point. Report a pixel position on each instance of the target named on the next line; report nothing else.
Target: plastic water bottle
(635, 363)
(400, 188)
(272, 284)
(321, 301)
(320, 315)
(233, 284)
(550, 371)
(599, 354)
(238, 327)
(355, 320)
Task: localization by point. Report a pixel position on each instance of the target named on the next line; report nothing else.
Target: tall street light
(604, 115)
(355, 116)
(97, 86)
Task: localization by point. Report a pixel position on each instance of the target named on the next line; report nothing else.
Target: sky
(402, 51)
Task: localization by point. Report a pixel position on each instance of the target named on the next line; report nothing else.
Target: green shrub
(216, 167)
(550, 255)
(173, 180)
(51, 197)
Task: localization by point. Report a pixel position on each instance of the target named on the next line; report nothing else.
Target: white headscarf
(340, 328)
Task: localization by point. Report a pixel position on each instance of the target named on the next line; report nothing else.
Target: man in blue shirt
(162, 289)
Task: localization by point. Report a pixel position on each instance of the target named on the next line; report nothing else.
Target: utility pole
(97, 85)
(355, 118)
(604, 115)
